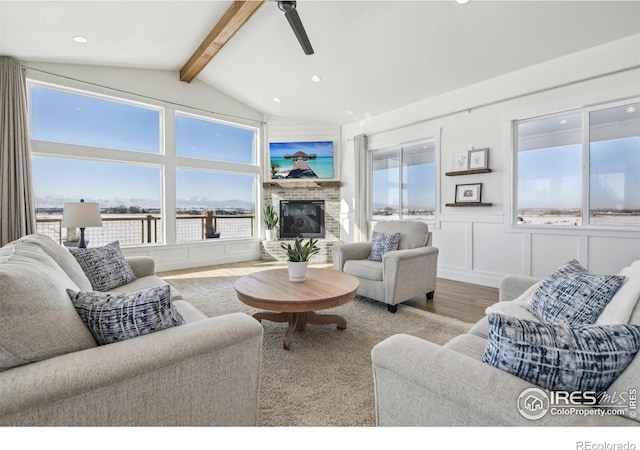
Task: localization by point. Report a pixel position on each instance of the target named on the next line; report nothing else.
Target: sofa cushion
(38, 319)
(106, 267)
(571, 295)
(115, 317)
(382, 243)
(507, 308)
(363, 268)
(188, 312)
(561, 357)
(62, 257)
(468, 345)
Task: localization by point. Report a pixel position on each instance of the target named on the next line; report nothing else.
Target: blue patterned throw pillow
(573, 296)
(115, 317)
(382, 243)
(561, 357)
(106, 267)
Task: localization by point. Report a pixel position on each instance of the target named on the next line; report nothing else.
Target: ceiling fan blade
(296, 25)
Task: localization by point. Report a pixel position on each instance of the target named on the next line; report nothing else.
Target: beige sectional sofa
(419, 383)
(203, 373)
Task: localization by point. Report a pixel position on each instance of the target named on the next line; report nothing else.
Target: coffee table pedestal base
(298, 321)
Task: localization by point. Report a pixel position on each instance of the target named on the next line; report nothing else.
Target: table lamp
(81, 214)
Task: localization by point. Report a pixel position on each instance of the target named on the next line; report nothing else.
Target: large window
(113, 151)
(403, 182)
(579, 168)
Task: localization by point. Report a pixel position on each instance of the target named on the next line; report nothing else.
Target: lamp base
(82, 243)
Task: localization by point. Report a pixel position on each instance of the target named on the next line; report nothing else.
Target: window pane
(129, 197)
(385, 185)
(549, 161)
(67, 118)
(230, 197)
(205, 139)
(419, 181)
(614, 162)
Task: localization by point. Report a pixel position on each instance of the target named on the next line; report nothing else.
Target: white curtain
(17, 210)
(362, 193)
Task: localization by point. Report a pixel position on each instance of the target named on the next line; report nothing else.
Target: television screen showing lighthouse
(292, 160)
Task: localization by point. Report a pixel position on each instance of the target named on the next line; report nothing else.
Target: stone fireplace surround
(329, 191)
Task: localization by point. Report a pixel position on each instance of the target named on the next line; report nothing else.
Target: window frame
(166, 159)
(586, 226)
(428, 137)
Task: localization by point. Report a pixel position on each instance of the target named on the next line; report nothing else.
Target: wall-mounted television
(301, 160)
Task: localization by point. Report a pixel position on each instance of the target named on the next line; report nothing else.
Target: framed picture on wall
(301, 160)
(460, 160)
(469, 193)
(478, 159)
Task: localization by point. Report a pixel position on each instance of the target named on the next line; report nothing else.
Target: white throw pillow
(621, 305)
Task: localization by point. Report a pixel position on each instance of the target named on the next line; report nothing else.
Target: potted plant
(298, 257)
(270, 221)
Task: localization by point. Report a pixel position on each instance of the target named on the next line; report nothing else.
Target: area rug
(326, 379)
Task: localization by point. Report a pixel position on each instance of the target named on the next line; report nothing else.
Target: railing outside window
(146, 229)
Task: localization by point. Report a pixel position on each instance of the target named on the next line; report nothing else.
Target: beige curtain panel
(17, 210)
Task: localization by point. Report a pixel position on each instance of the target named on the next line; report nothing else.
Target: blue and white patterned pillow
(561, 357)
(106, 267)
(115, 317)
(382, 243)
(573, 296)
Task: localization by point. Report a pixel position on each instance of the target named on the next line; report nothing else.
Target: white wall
(163, 88)
(477, 245)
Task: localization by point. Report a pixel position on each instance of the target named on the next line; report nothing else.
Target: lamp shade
(81, 215)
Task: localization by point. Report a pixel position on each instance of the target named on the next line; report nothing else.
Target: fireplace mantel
(306, 184)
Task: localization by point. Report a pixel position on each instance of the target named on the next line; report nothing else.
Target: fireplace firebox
(302, 218)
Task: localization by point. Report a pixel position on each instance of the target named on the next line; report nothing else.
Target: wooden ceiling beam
(236, 16)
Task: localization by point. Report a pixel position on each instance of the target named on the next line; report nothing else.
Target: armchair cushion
(412, 234)
(382, 243)
(561, 357)
(371, 270)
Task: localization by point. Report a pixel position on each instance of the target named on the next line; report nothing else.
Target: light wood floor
(462, 301)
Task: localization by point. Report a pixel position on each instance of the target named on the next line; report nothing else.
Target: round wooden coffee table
(296, 302)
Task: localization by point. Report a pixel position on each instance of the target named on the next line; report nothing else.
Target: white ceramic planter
(270, 235)
(297, 271)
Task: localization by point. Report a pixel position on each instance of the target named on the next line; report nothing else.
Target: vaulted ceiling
(371, 56)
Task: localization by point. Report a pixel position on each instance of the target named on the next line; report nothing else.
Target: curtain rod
(143, 96)
(507, 99)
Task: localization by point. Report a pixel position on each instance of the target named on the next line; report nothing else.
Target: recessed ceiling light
(563, 121)
(315, 79)
(276, 99)
(631, 109)
(80, 39)
(462, 2)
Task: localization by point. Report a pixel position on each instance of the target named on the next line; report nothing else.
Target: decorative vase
(270, 235)
(297, 271)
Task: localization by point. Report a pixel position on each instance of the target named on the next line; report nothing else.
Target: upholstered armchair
(402, 274)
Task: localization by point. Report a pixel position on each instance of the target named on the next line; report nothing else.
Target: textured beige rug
(326, 378)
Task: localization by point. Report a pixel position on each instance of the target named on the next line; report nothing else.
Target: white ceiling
(372, 56)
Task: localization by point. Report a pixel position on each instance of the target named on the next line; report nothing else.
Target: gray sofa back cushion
(412, 234)
(38, 317)
(62, 257)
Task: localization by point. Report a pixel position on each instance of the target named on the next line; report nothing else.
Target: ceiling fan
(289, 8)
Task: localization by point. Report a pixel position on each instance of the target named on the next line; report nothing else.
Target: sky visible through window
(70, 118)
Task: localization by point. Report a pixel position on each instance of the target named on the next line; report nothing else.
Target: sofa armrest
(512, 286)
(142, 266)
(344, 252)
(419, 383)
(408, 273)
(204, 373)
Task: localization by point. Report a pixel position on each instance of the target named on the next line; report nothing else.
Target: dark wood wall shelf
(467, 172)
(469, 204)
